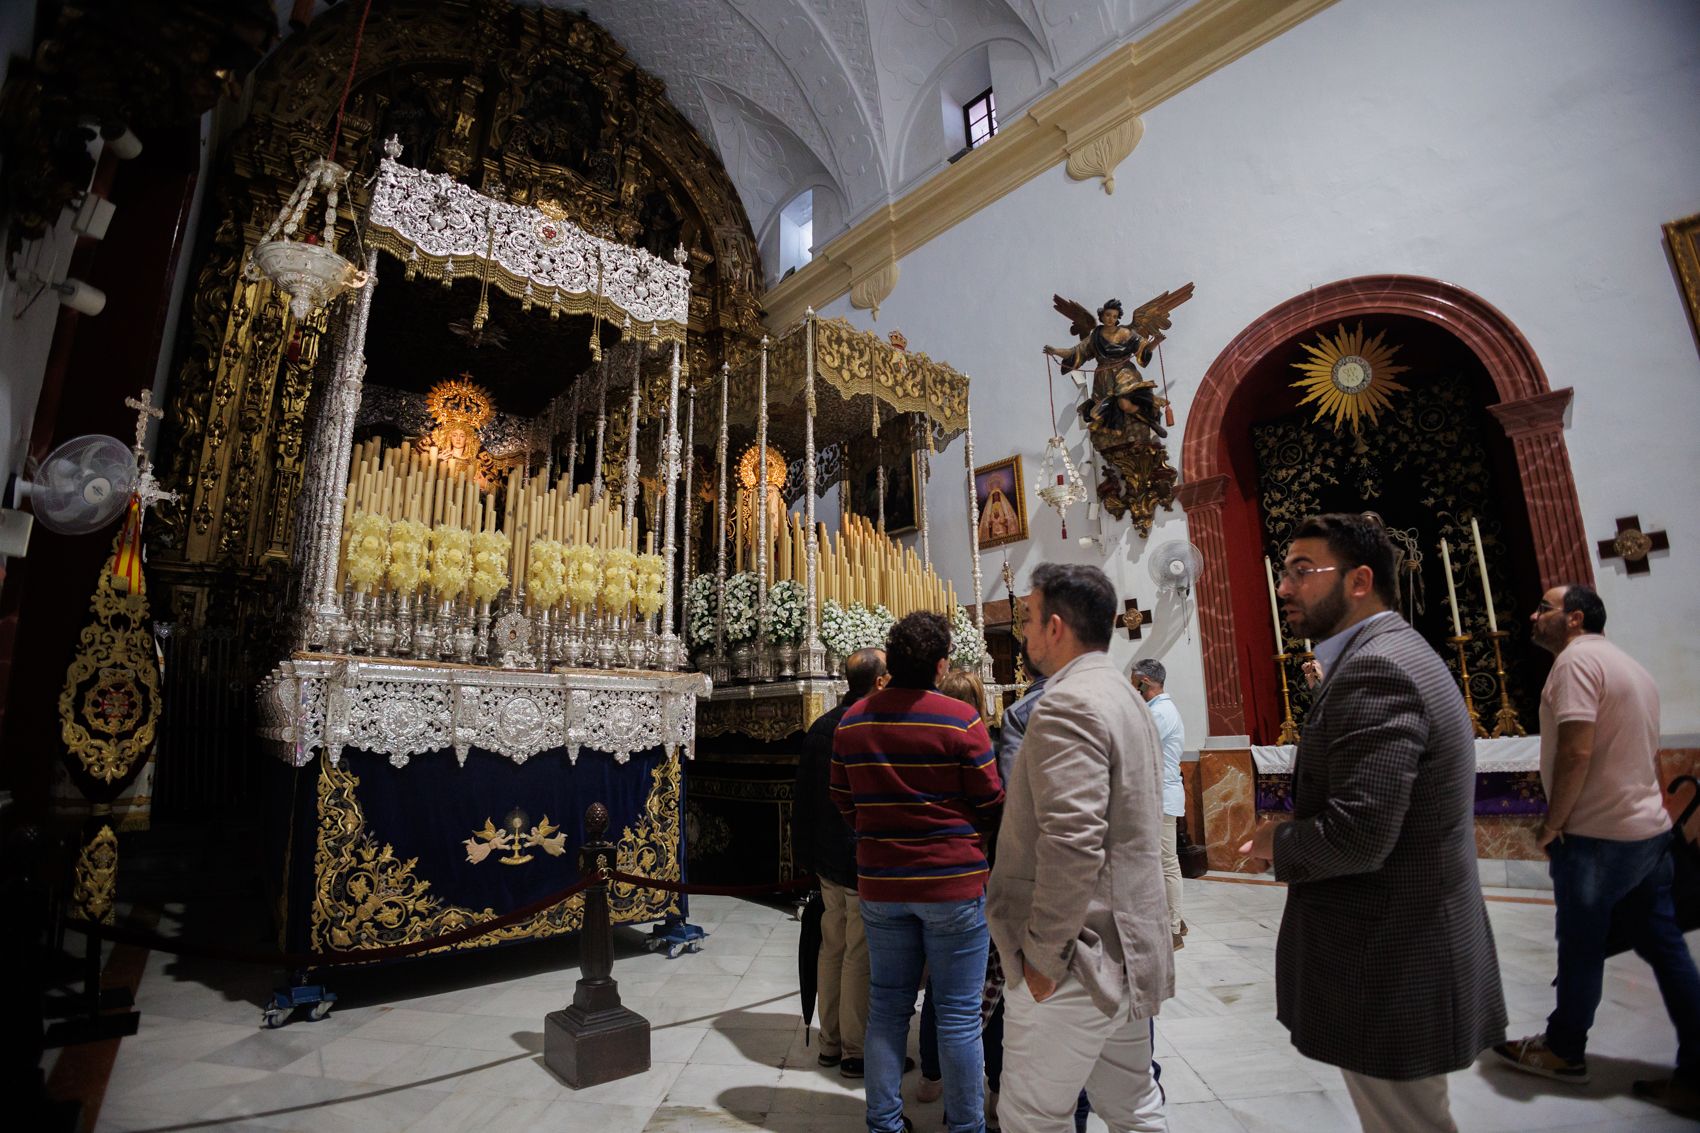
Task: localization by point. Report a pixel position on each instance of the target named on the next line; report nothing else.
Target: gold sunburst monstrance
(1349, 376)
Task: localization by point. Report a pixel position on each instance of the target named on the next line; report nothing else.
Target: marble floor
(452, 1045)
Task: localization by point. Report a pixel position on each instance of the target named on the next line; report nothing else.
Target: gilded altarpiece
(540, 107)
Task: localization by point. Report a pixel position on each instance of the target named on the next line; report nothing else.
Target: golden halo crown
(749, 472)
(460, 401)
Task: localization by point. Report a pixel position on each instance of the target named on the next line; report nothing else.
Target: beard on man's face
(1320, 618)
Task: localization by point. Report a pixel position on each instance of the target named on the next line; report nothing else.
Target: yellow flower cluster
(649, 575)
(546, 574)
(409, 545)
(368, 550)
(584, 575)
(489, 565)
(451, 561)
(618, 565)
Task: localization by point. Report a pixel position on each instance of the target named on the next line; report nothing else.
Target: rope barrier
(342, 957)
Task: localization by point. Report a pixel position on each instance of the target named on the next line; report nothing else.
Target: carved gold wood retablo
(541, 100)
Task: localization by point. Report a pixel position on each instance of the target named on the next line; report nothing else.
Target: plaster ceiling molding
(845, 23)
(764, 159)
(846, 113)
(679, 43)
(1079, 30)
(914, 40)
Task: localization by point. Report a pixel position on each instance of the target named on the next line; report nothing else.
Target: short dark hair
(1111, 305)
(862, 668)
(1082, 596)
(1358, 541)
(1152, 670)
(1578, 597)
(914, 648)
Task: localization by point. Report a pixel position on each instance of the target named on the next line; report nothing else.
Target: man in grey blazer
(1385, 966)
(1076, 904)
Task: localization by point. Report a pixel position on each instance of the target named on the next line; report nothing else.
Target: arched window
(797, 232)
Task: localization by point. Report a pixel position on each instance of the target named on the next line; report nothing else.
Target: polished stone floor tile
(457, 1046)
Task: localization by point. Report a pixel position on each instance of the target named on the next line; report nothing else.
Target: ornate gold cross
(1134, 619)
(1633, 545)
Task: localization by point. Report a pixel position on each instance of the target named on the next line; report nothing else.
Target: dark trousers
(1591, 879)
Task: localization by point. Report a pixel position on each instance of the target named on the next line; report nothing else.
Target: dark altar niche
(1426, 468)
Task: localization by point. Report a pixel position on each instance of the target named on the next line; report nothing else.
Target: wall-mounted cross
(1633, 545)
(1134, 619)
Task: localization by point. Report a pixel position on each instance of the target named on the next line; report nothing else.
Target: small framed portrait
(1683, 237)
(901, 507)
(1003, 504)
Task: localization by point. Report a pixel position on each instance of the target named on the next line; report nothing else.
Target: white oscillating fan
(1175, 567)
(82, 486)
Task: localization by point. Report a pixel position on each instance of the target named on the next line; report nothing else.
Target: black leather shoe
(830, 1059)
(853, 1067)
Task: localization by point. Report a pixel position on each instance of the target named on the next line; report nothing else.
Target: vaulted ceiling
(851, 98)
(843, 96)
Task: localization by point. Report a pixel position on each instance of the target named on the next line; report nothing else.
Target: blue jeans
(1590, 878)
(949, 938)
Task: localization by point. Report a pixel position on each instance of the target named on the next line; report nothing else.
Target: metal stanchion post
(595, 1039)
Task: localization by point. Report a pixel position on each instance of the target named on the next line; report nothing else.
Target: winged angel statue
(1120, 392)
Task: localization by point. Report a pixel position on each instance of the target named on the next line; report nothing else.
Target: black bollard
(595, 1039)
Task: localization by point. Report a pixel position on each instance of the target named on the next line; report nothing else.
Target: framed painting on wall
(1003, 505)
(1684, 239)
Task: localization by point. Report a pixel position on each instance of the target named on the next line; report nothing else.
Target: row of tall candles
(399, 484)
(860, 566)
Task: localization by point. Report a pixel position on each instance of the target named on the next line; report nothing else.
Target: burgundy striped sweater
(913, 772)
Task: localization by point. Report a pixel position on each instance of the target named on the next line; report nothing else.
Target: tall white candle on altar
(1481, 563)
(1274, 604)
(1451, 591)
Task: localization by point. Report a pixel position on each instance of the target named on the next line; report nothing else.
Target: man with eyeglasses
(1609, 840)
(1385, 965)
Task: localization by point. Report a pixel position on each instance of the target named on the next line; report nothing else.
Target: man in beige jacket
(1076, 906)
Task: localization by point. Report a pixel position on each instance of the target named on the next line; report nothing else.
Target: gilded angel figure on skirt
(1121, 394)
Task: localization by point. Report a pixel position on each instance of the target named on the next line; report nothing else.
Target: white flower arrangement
(847, 629)
(741, 608)
(618, 566)
(650, 571)
(584, 575)
(785, 611)
(700, 604)
(546, 573)
(451, 561)
(967, 645)
(410, 543)
(368, 550)
(489, 565)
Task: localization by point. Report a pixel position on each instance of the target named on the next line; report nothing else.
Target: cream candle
(1274, 604)
(1481, 564)
(1451, 591)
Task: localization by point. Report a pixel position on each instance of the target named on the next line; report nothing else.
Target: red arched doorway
(1219, 492)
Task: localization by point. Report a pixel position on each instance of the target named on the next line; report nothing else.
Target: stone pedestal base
(587, 1048)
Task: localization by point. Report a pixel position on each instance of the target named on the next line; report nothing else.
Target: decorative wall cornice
(1090, 124)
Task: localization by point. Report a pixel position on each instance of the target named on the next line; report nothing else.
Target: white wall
(1527, 150)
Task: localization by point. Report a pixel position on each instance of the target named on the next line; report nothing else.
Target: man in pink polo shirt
(1609, 838)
